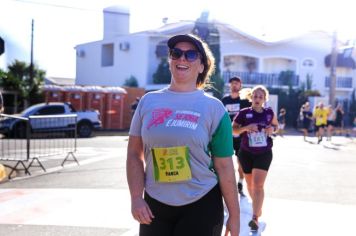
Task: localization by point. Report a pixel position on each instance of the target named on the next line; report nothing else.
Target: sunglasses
(189, 55)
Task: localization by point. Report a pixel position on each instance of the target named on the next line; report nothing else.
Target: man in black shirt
(233, 104)
(2, 106)
(134, 105)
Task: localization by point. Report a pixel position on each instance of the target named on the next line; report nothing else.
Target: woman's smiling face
(182, 70)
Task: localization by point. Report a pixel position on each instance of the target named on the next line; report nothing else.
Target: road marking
(67, 207)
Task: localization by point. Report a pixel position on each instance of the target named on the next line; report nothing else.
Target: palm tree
(17, 79)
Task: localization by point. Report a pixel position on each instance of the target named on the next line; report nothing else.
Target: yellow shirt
(321, 116)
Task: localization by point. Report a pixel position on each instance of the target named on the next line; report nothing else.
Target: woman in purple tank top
(256, 124)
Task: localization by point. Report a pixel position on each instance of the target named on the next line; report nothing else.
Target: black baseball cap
(238, 79)
(188, 38)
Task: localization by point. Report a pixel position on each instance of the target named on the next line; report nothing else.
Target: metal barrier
(29, 141)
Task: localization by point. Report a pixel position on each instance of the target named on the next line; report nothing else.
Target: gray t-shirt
(194, 120)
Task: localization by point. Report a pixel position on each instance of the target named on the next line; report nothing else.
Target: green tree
(352, 109)
(131, 82)
(286, 77)
(18, 79)
(210, 34)
(307, 85)
(163, 74)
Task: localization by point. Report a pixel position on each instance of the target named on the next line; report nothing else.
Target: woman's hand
(232, 226)
(141, 211)
(269, 130)
(251, 128)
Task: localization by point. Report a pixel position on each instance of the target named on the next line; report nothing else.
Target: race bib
(171, 164)
(257, 139)
(233, 108)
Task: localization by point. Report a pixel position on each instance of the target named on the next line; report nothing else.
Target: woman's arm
(273, 127)
(227, 181)
(136, 180)
(238, 129)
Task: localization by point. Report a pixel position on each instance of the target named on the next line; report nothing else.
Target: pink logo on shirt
(158, 116)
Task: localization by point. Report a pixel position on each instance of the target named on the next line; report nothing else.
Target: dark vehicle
(45, 117)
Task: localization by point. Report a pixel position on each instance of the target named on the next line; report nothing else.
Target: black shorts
(203, 217)
(320, 126)
(330, 122)
(249, 161)
(237, 144)
(306, 124)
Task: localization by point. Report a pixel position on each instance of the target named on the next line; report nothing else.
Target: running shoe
(253, 224)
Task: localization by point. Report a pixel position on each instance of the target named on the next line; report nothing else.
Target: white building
(120, 55)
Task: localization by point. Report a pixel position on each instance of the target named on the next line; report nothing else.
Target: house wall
(131, 62)
(288, 54)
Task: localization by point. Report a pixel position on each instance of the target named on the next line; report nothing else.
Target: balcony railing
(266, 79)
(341, 82)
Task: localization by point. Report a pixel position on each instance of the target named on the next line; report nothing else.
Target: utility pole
(31, 64)
(333, 65)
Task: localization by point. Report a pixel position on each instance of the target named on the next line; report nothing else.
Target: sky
(60, 25)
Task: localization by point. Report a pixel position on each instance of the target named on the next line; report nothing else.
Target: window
(308, 63)
(50, 110)
(107, 54)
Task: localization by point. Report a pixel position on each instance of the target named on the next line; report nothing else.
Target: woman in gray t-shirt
(179, 157)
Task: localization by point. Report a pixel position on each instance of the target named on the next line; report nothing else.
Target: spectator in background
(354, 128)
(320, 115)
(281, 121)
(307, 118)
(2, 106)
(330, 122)
(134, 105)
(339, 119)
(233, 104)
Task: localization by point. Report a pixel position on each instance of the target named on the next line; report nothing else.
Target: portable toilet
(75, 95)
(95, 100)
(53, 93)
(114, 117)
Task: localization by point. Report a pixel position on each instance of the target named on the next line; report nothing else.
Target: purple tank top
(255, 142)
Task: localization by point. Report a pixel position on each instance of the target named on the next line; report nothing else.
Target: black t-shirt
(1, 103)
(234, 105)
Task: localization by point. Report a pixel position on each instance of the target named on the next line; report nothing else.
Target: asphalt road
(302, 174)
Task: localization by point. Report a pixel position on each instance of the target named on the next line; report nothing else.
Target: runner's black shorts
(237, 144)
(249, 161)
(320, 126)
(203, 217)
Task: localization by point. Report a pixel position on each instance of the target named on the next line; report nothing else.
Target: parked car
(49, 117)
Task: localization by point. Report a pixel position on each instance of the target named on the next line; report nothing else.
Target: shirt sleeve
(136, 122)
(221, 143)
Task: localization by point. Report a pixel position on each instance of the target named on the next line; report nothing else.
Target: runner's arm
(227, 182)
(136, 180)
(273, 127)
(239, 129)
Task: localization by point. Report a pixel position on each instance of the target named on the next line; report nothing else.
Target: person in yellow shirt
(321, 116)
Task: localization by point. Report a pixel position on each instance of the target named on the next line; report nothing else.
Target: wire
(55, 5)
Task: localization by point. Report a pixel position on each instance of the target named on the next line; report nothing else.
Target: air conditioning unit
(81, 53)
(124, 46)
